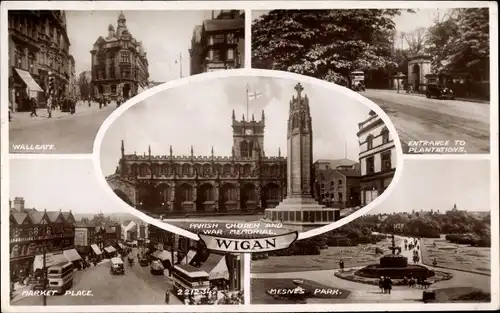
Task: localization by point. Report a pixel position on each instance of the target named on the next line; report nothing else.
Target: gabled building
(34, 231)
(219, 43)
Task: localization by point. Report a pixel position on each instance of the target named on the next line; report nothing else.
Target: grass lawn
(259, 288)
(455, 256)
(461, 294)
(360, 255)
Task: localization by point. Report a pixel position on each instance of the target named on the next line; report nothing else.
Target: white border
(248, 5)
(313, 82)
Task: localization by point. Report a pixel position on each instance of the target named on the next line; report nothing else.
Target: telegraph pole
(45, 272)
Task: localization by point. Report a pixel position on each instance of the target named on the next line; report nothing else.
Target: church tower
(299, 143)
(248, 136)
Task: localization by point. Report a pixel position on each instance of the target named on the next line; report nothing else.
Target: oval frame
(259, 73)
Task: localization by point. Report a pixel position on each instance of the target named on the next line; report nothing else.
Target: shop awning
(165, 255)
(216, 267)
(156, 253)
(189, 257)
(121, 245)
(50, 259)
(96, 249)
(72, 255)
(28, 80)
(134, 242)
(110, 249)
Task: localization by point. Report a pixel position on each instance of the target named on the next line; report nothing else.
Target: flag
(254, 95)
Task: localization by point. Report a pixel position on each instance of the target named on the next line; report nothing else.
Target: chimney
(19, 204)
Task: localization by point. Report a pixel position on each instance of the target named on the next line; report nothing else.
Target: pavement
(137, 287)
(63, 133)
(363, 293)
(416, 117)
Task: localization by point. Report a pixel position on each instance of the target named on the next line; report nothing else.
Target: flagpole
(247, 99)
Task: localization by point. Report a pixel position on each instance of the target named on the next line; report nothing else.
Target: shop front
(24, 87)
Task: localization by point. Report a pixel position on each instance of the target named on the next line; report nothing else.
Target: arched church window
(206, 169)
(185, 169)
(244, 149)
(247, 169)
(227, 169)
(250, 148)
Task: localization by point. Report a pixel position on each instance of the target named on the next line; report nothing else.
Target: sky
(438, 185)
(199, 114)
(60, 184)
(166, 35)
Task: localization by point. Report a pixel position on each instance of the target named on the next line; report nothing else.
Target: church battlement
(198, 158)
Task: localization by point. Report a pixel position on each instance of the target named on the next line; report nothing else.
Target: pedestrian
(341, 265)
(434, 262)
(387, 285)
(381, 284)
(49, 106)
(33, 107)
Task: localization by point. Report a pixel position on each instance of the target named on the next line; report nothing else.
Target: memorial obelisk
(299, 207)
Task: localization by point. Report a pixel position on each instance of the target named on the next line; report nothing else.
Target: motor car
(157, 268)
(439, 92)
(143, 261)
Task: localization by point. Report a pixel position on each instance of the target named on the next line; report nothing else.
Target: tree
(416, 40)
(461, 42)
(85, 220)
(84, 85)
(326, 44)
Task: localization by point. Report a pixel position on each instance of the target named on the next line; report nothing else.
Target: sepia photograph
(260, 150)
(428, 69)
(428, 242)
(78, 248)
(68, 70)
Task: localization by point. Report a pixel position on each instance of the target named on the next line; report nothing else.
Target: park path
(371, 293)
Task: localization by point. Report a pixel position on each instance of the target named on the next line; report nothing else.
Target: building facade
(377, 157)
(119, 63)
(38, 44)
(172, 185)
(338, 187)
(34, 231)
(218, 43)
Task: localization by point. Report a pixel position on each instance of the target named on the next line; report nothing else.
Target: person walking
(381, 284)
(341, 265)
(33, 107)
(387, 285)
(49, 106)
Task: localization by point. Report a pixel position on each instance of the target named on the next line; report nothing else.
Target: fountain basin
(377, 270)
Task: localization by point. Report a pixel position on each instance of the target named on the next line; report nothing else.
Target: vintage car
(439, 92)
(116, 266)
(143, 261)
(157, 268)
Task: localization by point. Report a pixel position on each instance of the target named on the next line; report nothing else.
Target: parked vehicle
(157, 268)
(116, 266)
(143, 261)
(439, 92)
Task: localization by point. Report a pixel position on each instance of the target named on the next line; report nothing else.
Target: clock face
(248, 132)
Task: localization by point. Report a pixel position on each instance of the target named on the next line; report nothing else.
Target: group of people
(385, 284)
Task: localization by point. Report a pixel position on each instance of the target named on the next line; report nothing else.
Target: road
(67, 133)
(364, 293)
(418, 118)
(137, 287)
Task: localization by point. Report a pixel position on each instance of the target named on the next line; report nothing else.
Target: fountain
(395, 266)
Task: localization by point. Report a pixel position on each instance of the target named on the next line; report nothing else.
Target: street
(63, 133)
(137, 287)
(419, 118)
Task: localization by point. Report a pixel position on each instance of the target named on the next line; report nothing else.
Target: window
(230, 38)
(370, 165)
(230, 54)
(369, 142)
(216, 55)
(340, 197)
(125, 57)
(220, 38)
(385, 135)
(340, 182)
(386, 161)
